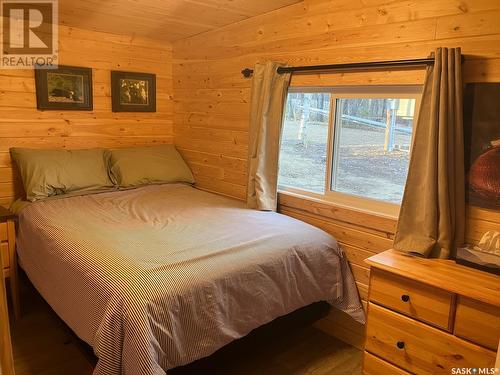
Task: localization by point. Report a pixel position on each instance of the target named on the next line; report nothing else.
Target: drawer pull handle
(400, 344)
(405, 297)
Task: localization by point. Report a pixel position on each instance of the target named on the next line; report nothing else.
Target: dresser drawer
(3, 232)
(419, 348)
(375, 366)
(409, 297)
(478, 322)
(4, 253)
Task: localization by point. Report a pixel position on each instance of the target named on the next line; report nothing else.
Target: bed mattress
(159, 276)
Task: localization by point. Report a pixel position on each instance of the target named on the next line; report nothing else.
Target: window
(304, 141)
(349, 145)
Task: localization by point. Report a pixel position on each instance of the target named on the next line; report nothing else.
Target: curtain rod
(350, 66)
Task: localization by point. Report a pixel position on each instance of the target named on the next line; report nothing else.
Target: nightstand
(6, 360)
(9, 256)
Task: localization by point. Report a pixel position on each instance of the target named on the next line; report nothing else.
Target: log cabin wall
(211, 98)
(21, 124)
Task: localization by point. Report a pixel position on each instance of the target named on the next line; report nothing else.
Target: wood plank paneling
(22, 125)
(332, 211)
(161, 19)
(343, 233)
(360, 235)
(211, 94)
(208, 65)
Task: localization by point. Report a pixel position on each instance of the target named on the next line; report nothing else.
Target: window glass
(372, 140)
(303, 152)
(349, 145)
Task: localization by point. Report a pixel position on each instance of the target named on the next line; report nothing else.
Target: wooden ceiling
(167, 20)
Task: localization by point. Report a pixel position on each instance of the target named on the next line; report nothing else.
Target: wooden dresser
(428, 316)
(8, 254)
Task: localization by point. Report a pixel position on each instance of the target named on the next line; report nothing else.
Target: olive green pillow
(130, 167)
(46, 173)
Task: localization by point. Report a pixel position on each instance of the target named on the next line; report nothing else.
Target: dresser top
(443, 274)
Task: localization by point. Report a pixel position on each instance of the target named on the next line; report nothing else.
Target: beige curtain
(432, 216)
(268, 97)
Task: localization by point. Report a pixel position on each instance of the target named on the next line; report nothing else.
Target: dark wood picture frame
(133, 92)
(482, 144)
(74, 94)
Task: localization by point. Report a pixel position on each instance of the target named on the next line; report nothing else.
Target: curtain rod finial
(247, 72)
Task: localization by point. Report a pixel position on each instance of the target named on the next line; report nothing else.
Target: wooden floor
(43, 345)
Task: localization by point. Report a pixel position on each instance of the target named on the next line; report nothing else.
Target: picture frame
(133, 92)
(65, 88)
(482, 144)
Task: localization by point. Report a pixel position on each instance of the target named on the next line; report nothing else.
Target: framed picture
(133, 92)
(65, 88)
(482, 144)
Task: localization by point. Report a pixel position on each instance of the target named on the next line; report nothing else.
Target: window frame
(356, 202)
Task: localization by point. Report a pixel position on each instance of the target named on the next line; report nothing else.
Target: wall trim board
(334, 211)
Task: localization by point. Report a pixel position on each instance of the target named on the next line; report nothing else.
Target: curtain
(269, 90)
(432, 217)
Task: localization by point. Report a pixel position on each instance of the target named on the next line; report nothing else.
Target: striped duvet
(159, 276)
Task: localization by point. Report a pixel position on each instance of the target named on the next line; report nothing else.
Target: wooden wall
(208, 118)
(211, 98)
(21, 124)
